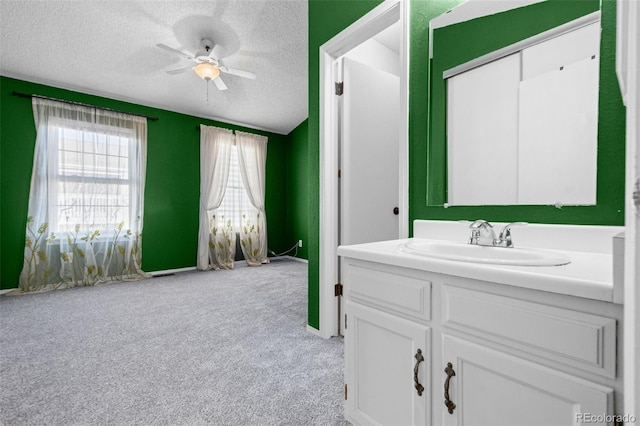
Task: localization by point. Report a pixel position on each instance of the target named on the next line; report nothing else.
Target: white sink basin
(483, 254)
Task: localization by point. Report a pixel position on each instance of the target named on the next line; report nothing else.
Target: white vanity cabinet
(495, 389)
(515, 372)
(387, 368)
(387, 356)
(500, 355)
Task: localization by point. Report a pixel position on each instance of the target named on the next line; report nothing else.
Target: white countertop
(589, 275)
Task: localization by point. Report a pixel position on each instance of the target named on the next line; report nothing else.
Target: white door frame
(627, 67)
(383, 16)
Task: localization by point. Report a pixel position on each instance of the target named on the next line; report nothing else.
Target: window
(235, 202)
(92, 177)
(85, 215)
(223, 194)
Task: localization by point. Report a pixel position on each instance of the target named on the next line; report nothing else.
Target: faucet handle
(504, 239)
(508, 226)
(480, 223)
(482, 233)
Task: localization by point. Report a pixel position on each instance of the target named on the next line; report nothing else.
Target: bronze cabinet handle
(419, 358)
(447, 401)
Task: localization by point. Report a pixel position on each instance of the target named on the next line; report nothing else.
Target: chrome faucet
(483, 234)
(504, 239)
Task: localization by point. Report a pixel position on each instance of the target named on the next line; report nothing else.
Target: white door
(494, 389)
(369, 155)
(377, 20)
(382, 371)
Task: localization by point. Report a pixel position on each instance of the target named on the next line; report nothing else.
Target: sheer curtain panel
(84, 222)
(252, 157)
(216, 237)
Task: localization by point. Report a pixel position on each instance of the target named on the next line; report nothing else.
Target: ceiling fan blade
(216, 52)
(176, 51)
(239, 73)
(219, 83)
(179, 70)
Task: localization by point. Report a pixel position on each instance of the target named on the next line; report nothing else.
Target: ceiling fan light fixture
(207, 71)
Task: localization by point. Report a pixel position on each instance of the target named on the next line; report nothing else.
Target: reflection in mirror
(523, 129)
(521, 118)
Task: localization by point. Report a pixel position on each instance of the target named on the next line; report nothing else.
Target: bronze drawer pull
(419, 358)
(450, 373)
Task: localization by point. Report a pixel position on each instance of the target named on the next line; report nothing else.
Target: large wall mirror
(514, 104)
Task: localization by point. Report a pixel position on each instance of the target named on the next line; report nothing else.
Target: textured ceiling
(108, 48)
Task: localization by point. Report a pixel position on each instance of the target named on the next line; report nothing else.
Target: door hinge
(636, 197)
(339, 173)
(345, 321)
(345, 391)
(339, 88)
(337, 289)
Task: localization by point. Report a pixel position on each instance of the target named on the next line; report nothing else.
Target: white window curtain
(252, 158)
(216, 236)
(86, 197)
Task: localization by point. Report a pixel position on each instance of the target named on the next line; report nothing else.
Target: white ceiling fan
(208, 63)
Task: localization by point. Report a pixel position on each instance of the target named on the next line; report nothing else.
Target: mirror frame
(462, 42)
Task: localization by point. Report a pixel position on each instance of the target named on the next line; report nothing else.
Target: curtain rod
(25, 95)
(232, 131)
(198, 127)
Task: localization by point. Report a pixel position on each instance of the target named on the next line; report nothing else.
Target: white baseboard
(297, 259)
(313, 331)
(236, 264)
(7, 290)
(171, 271)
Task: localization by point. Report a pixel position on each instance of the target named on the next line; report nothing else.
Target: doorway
(332, 53)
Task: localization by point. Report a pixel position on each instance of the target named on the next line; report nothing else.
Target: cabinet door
(380, 368)
(495, 389)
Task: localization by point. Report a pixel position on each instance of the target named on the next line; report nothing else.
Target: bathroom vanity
(436, 341)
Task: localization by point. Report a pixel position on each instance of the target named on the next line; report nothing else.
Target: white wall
(374, 54)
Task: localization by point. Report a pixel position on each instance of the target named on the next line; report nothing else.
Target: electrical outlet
(299, 243)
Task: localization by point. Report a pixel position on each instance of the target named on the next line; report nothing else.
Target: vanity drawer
(563, 336)
(395, 291)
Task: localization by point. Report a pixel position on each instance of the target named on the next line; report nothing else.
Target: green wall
(298, 187)
(172, 184)
(328, 18)
(457, 44)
